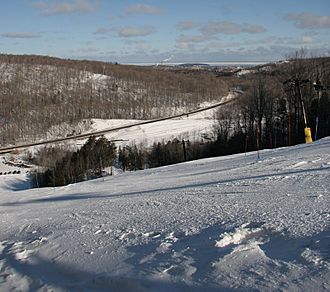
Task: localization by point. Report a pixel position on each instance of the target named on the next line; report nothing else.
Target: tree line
(269, 114)
(60, 167)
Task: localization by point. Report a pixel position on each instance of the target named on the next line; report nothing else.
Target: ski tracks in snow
(220, 223)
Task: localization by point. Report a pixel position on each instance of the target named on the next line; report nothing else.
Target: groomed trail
(218, 224)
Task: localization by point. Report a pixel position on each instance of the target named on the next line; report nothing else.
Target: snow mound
(238, 236)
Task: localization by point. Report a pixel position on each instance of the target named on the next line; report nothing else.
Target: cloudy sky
(176, 30)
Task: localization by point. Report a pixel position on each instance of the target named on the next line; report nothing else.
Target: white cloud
(135, 42)
(308, 40)
(88, 50)
(308, 20)
(129, 31)
(252, 28)
(228, 28)
(187, 25)
(65, 7)
(102, 30)
(217, 27)
(138, 45)
(143, 8)
(192, 38)
(290, 41)
(19, 35)
(189, 41)
(211, 30)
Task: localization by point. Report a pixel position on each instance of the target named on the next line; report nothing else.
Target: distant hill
(39, 92)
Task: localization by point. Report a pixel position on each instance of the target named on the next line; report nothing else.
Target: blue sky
(151, 31)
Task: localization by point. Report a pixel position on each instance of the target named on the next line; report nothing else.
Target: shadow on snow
(80, 196)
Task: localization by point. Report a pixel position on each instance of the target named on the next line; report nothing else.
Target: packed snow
(218, 224)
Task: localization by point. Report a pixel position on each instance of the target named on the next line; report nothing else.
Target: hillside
(44, 97)
(219, 224)
(40, 93)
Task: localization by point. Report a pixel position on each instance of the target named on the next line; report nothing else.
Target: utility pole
(297, 83)
(318, 88)
(184, 150)
(101, 166)
(257, 141)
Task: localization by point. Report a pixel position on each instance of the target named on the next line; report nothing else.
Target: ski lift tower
(318, 88)
(297, 83)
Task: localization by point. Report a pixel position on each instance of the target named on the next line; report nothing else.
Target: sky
(128, 31)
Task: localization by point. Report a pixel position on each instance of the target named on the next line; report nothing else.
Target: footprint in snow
(15, 250)
(152, 234)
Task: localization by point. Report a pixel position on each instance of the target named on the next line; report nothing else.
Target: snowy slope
(192, 127)
(216, 224)
(181, 128)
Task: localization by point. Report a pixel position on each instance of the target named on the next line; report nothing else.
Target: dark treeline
(64, 167)
(269, 113)
(137, 157)
(61, 167)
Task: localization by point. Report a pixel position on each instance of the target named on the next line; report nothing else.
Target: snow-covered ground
(219, 224)
(191, 127)
(182, 128)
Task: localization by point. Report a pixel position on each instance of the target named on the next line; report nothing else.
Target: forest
(62, 166)
(38, 93)
(277, 102)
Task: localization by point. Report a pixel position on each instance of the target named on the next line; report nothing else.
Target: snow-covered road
(216, 224)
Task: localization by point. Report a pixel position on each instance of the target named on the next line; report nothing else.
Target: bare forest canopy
(270, 112)
(39, 93)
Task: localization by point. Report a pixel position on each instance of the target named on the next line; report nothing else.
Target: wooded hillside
(37, 93)
(270, 113)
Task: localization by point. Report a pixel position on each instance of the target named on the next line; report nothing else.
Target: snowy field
(220, 224)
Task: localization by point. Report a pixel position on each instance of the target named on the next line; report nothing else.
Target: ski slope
(191, 127)
(218, 224)
(182, 128)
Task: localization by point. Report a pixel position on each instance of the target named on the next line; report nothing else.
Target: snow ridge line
(99, 133)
